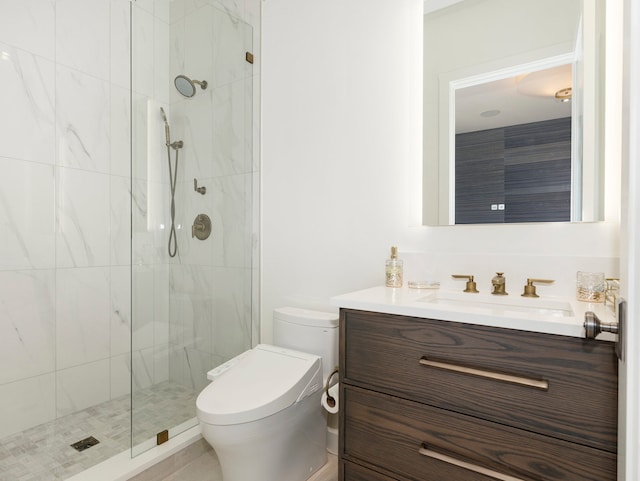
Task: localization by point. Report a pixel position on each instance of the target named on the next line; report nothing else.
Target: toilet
(262, 413)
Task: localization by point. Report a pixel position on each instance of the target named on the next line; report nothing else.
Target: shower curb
(122, 467)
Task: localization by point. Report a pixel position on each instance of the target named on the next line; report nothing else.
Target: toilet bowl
(262, 411)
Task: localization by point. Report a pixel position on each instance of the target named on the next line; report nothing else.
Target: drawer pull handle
(465, 465)
(498, 376)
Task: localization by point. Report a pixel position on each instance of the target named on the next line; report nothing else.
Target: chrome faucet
(499, 284)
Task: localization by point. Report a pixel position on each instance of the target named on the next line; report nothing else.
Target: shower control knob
(201, 227)
(200, 190)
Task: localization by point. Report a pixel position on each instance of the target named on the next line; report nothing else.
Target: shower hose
(173, 175)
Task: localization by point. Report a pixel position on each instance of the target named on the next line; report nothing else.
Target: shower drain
(85, 443)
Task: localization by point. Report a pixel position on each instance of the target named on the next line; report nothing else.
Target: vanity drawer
(554, 385)
(355, 472)
(421, 442)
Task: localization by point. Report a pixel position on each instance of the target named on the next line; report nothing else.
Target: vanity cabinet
(424, 399)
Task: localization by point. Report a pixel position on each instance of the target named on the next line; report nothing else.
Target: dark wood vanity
(424, 400)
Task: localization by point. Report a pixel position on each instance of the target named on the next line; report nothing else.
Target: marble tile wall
(149, 276)
(65, 297)
(71, 200)
(211, 281)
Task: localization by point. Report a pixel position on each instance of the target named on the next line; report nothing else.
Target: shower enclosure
(106, 338)
(192, 218)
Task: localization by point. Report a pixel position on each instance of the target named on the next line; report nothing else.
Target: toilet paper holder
(330, 399)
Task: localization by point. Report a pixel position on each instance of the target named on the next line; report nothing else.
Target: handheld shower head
(167, 134)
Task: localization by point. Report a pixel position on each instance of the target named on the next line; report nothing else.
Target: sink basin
(499, 305)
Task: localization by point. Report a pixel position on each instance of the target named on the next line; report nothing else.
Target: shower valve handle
(201, 227)
(199, 190)
(197, 227)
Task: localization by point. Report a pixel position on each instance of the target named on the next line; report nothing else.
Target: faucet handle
(611, 292)
(530, 289)
(612, 282)
(471, 285)
(200, 190)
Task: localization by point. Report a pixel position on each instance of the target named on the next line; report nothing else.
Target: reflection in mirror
(513, 148)
(517, 99)
(500, 145)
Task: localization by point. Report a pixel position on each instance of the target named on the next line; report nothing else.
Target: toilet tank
(313, 332)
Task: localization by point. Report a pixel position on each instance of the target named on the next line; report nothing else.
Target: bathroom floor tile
(43, 453)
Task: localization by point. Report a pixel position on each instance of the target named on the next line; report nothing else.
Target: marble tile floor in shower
(43, 453)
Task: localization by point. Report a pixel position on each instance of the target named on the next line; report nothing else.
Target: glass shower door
(192, 164)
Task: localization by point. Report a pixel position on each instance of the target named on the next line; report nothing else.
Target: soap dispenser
(393, 269)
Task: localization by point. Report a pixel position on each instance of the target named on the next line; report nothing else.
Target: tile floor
(43, 453)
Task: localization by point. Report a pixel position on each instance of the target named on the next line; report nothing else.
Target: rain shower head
(187, 86)
(167, 134)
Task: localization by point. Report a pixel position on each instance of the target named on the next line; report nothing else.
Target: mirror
(498, 145)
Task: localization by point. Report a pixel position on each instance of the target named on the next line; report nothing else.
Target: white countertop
(550, 315)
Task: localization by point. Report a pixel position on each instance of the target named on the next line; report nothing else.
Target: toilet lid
(265, 380)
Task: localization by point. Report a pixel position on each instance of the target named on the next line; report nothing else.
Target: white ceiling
(519, 100)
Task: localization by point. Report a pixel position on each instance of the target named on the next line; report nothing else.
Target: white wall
(341, 151)
(340, 125)
(629, 396)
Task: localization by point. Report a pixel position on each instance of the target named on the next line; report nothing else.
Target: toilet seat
(259, 383)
